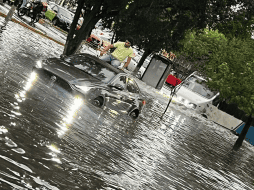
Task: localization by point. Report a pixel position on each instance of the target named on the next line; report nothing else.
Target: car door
(117, 95)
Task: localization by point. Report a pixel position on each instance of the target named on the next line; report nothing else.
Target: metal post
(10, 13)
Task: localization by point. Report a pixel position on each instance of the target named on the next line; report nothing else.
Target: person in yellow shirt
(122, 51)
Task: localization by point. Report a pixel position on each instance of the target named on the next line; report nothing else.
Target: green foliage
(229, 66)
(199, 43)
(198, 46)
(231, 71)
(239, 25)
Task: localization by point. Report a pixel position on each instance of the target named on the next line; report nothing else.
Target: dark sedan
(97, 81)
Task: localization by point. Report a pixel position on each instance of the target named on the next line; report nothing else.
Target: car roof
(107, 65)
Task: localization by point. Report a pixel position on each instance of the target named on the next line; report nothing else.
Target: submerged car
(96, 81)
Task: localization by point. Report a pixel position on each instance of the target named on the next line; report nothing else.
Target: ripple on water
(22, 166)
(10, 143)
(97, 148)
(19, 150)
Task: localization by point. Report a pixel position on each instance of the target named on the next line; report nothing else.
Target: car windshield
(197, 85)
(91, 67)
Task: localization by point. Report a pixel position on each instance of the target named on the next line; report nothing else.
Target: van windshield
(198, 85)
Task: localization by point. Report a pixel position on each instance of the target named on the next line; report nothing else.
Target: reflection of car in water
(96, 81)
(59, 16)
(193, 93)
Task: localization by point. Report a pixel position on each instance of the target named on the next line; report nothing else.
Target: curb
(32, 29)
(48, 22)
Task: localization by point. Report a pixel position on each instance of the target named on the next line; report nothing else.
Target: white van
(193, 93)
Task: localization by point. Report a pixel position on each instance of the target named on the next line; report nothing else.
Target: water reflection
(51, 141)
(21, 96)
(71, 114)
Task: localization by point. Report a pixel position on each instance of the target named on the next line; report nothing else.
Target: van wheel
(98, 102)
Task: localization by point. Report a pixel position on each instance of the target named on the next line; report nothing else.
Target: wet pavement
(52, 140)
(46, 28)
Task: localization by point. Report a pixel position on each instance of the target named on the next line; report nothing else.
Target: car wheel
(98, 102)
(134, 114)
(55, 21)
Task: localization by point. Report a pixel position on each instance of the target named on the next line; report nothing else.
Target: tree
(235, 83)
(93, 12)
(237, 22)
(156, 25)
(232, 74)
(198, 46)
(228, 67)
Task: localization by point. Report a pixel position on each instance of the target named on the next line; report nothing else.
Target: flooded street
(52, 140)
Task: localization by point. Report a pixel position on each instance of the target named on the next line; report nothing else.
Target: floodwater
(51, 140)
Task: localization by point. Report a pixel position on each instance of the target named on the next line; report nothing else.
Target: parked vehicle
(103, 33)
(59, 16)
(194, 94)
(35, 10)
(96, 81)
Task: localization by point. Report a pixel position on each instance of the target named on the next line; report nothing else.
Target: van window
(197, 85)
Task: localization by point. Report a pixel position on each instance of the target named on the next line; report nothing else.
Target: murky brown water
(50, 140)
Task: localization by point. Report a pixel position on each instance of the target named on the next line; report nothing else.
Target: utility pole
(10, 13)
(242, 135)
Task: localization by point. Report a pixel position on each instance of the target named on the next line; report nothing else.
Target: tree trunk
(69, 40)
(141, 61)
(73, 42)
(241, 137)
(112, 39)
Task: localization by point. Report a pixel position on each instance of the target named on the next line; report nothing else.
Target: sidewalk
(43, 28)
